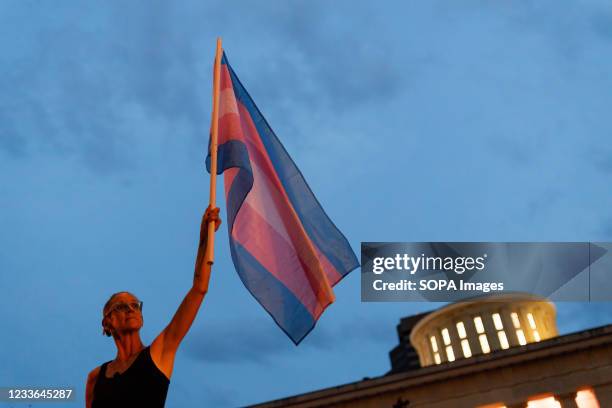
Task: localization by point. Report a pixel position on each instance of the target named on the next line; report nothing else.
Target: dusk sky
(411, 121)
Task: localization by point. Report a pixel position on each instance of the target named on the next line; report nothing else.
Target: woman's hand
(210, 215)
(202, 268)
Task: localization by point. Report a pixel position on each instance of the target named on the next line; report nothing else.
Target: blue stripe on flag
(230, 154)
(288, 312)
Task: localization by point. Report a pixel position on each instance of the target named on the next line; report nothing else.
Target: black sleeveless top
(141, 385)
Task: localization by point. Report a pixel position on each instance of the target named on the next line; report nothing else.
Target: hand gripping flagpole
(210, 243)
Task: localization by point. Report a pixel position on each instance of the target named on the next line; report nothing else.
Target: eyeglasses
(125, 307)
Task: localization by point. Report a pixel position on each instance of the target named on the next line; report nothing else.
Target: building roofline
(515, 355)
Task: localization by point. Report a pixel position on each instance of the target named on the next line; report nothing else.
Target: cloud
(101, 83)
(97, 82)
(93, 84)
(261, 342)
(317, 54)
(236, 343)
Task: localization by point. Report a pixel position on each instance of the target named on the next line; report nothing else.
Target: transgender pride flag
(285, 248)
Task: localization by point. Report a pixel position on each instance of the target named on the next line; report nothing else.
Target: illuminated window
(434, 344)
(521, 337)
(434, 349)
(445, 337)
(536, 335)
(532, 324)
(503, 340)
(461, 330)
(465, 346)
(515, 320)
(549, 402)
(479, 325)
(531, 321)
(501, 334)
(586, 399)
(484, 343)
(450, 355)
(497, 321)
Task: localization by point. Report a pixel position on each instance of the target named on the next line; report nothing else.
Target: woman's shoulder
(92, 378)
(93, 374)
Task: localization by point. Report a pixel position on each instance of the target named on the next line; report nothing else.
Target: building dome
(481, 326)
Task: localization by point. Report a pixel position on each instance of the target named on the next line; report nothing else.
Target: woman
(139, 376)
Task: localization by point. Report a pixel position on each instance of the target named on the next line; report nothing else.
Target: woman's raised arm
(163, 348)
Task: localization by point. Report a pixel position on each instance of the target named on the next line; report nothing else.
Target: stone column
(472, 335)
(455, 340)
(517, 405)
(567, 400)
(525, 325)
(603, 393)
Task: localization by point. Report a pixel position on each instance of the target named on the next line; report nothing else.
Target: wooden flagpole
(210, 244)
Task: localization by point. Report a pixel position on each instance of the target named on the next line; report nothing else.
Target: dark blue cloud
(259, 342)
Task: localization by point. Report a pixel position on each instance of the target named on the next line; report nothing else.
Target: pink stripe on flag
(275, 254)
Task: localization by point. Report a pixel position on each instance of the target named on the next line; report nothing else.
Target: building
(489, 352)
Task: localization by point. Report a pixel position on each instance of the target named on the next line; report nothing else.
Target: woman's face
(123, 314)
